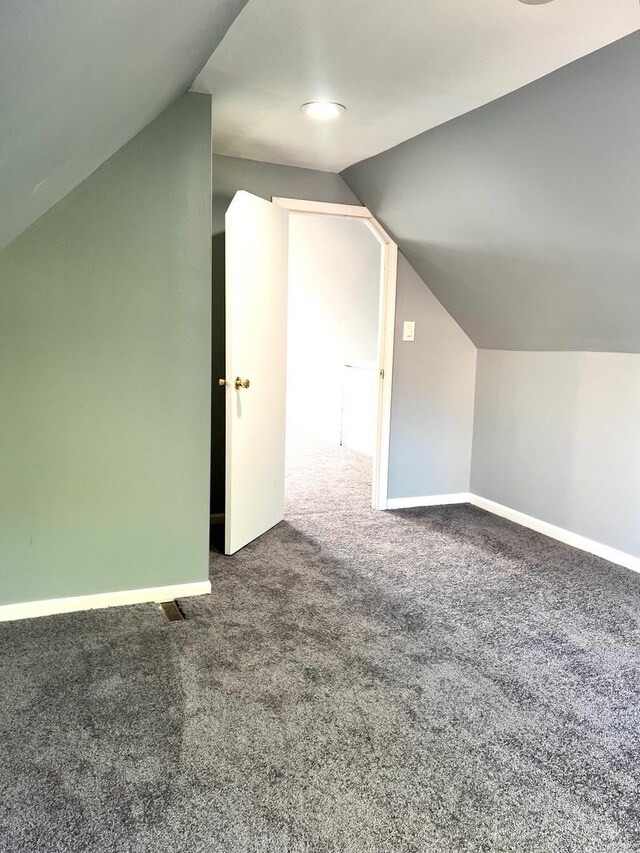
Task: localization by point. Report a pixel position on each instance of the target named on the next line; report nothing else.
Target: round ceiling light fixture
(535, 2)
(323, 110)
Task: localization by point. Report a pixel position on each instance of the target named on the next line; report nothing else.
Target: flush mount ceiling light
(323, 110)
(535, 2)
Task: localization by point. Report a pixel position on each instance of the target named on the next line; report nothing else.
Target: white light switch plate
(409, 331)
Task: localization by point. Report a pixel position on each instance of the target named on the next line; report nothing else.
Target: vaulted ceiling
(523, 217)
(79, 78)
(519, 204)
(504, 139)
(400, 66)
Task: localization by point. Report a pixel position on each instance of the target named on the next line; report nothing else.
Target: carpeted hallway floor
(434, 681)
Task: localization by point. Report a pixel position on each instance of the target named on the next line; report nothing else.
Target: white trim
(386, 328)
(378, 231)
(386, 335)
(429, 500)
(621, 558)
(575, 540)
(298, 205)
(31, 609)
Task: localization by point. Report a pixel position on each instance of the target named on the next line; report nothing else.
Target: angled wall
(523, 216)
(105, 379)
(80, 78)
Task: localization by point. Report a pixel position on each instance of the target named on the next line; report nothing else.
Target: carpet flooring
(423, 681)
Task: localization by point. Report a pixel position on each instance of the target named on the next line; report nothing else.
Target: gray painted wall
(523, 217)
(557, 436)
(433, 396)
(105, 380)
(80, 78)
(432, 407)
(231, 174)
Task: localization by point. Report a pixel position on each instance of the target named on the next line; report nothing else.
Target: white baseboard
(31, 609)
(606, 552)
(428, 500)
(621, 558)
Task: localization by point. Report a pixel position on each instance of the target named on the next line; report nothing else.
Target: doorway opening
(333, 302)
(254, 381)
(341, 307)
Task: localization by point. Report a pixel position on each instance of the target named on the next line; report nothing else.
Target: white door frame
(386, 328)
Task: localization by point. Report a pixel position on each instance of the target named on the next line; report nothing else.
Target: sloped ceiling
(79, 78)
(400, 66)
(523, 217)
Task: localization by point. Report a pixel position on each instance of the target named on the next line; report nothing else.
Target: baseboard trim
(606, 552)
(428, 500)
(51, 606)
(582, 543)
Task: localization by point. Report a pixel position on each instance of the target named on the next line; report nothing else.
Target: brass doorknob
(222, 382)
(242, 383)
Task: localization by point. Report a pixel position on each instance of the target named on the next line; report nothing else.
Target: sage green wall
(105, 330)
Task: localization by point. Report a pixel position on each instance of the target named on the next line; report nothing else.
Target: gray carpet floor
(433, 680)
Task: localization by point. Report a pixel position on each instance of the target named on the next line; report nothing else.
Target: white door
(256, 251)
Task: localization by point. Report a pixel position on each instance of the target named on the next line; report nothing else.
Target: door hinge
(382, 373)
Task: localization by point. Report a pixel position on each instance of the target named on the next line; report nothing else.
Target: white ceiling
(400, 67)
